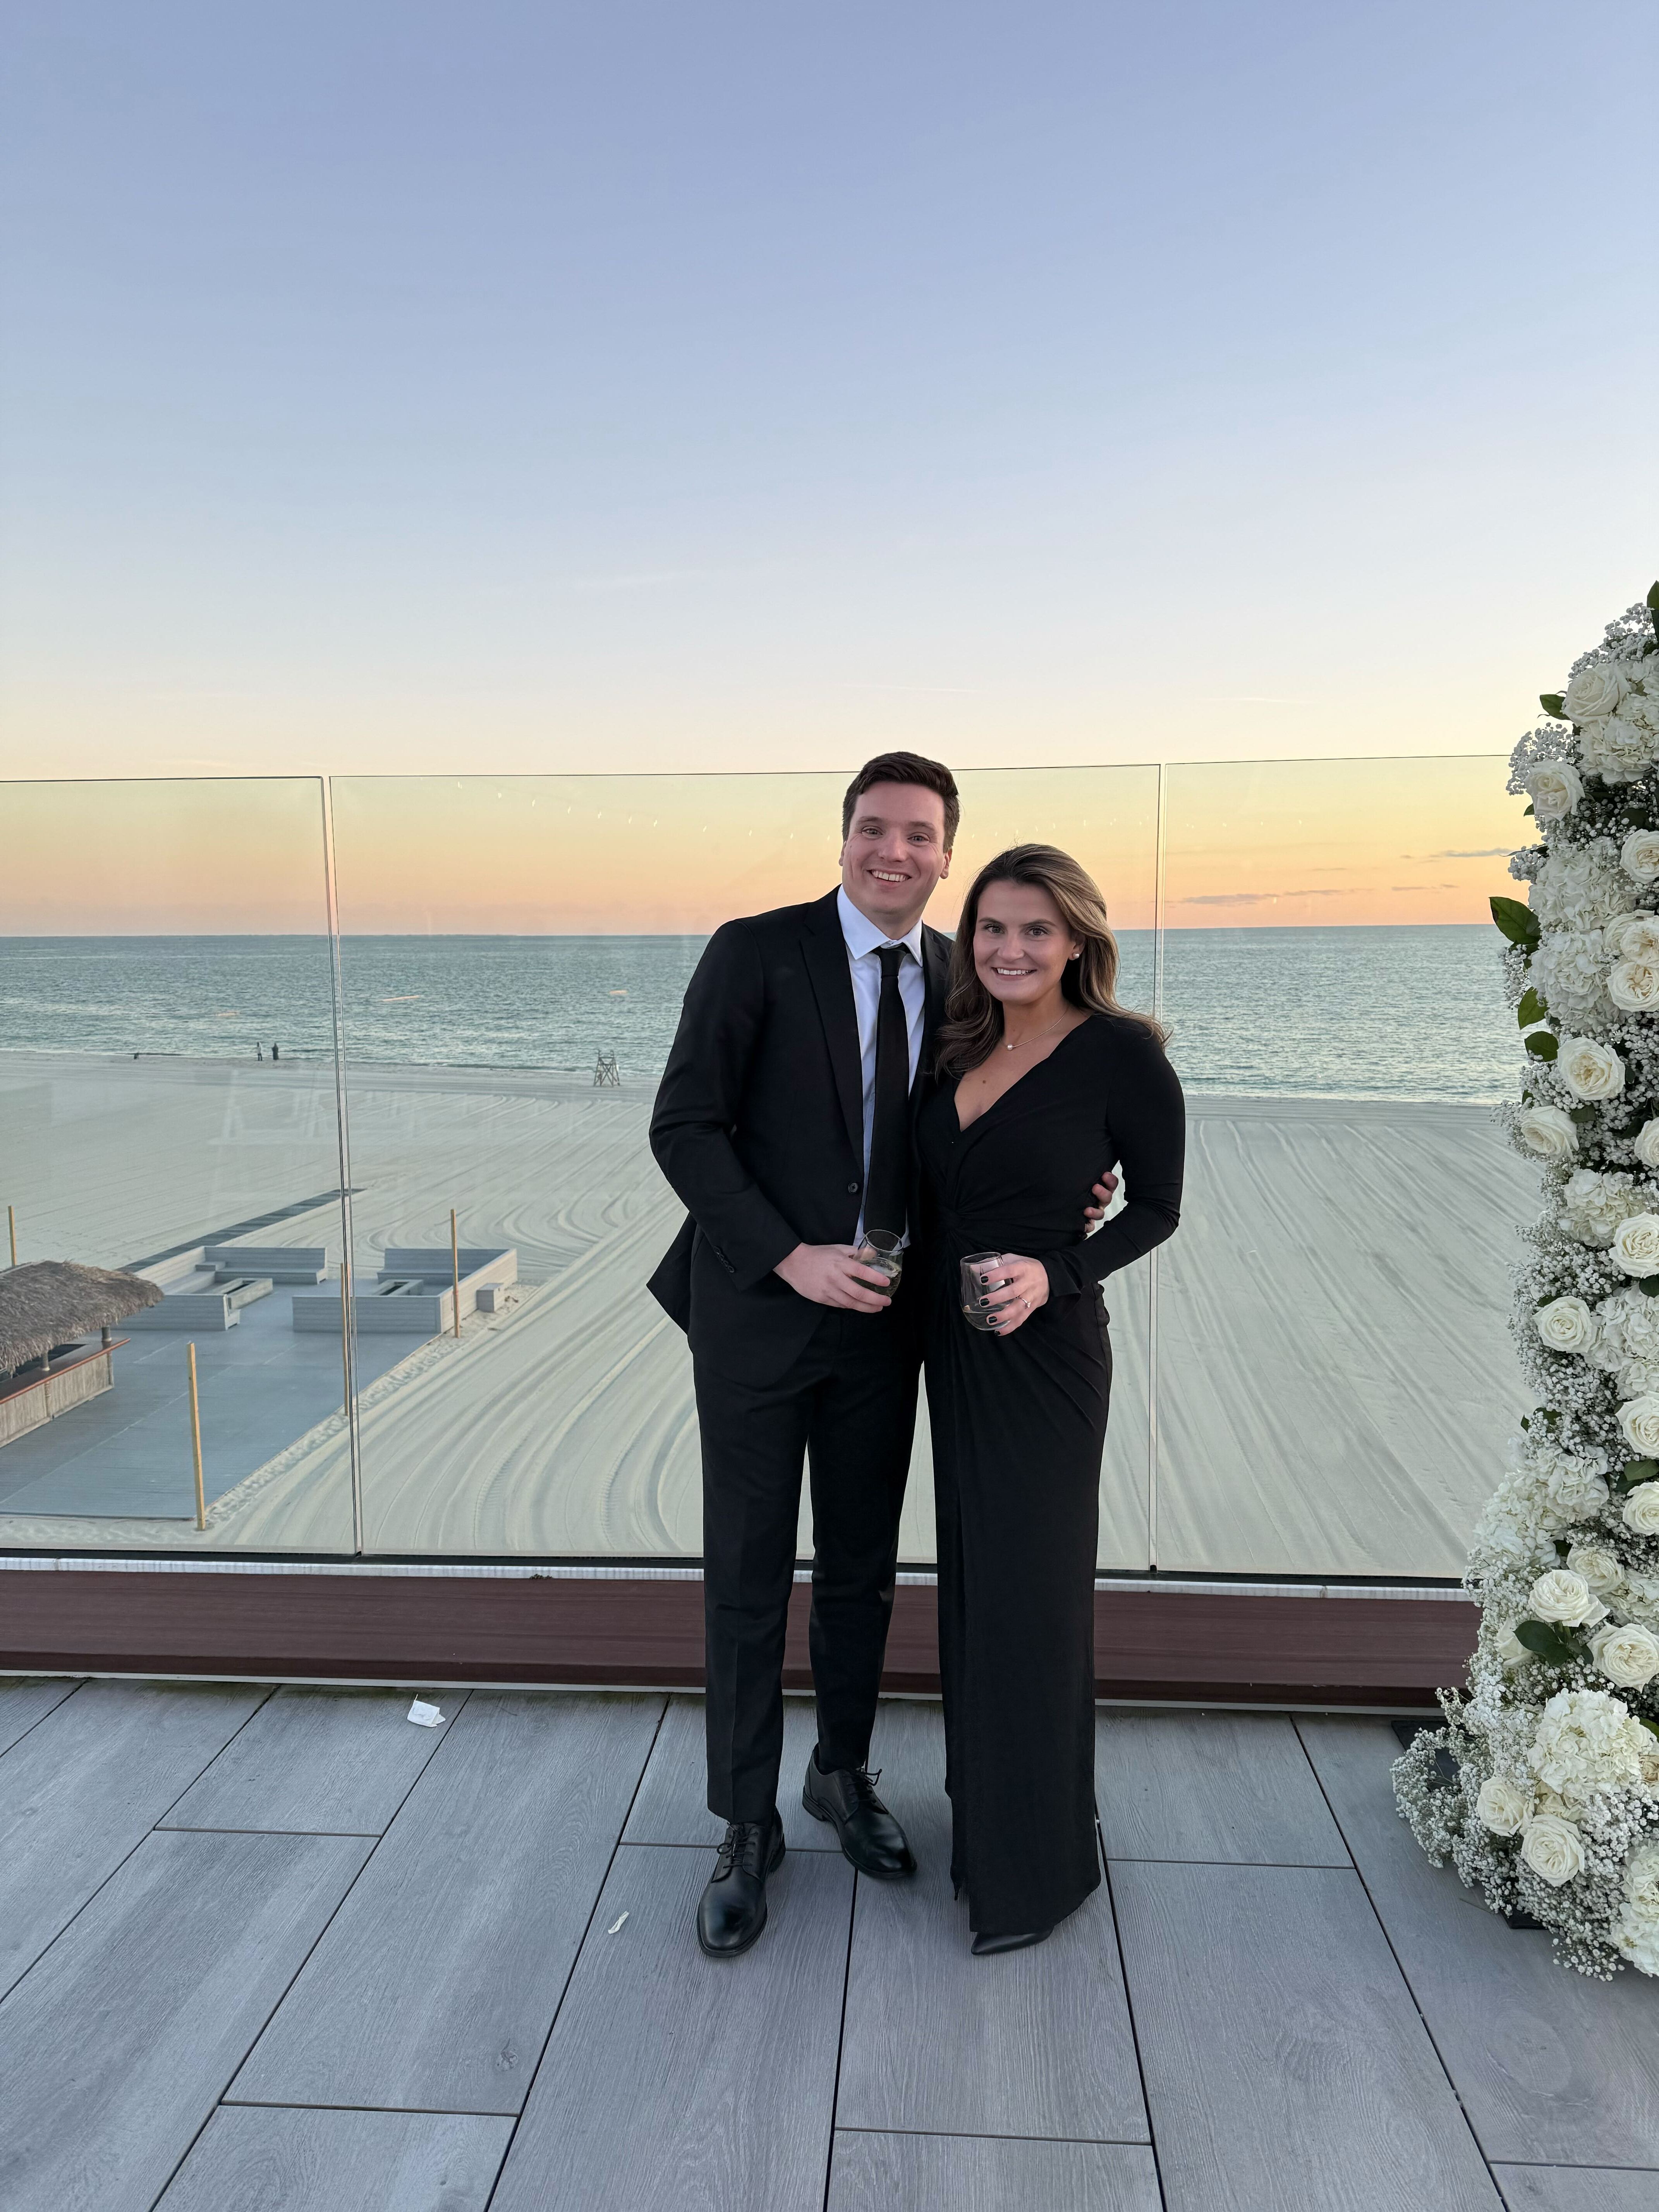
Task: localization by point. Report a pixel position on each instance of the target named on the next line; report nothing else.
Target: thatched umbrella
(49, 1301)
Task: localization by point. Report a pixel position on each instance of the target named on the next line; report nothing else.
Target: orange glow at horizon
(1245, 844)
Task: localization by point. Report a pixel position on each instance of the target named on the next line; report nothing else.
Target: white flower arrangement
(1543, 1787)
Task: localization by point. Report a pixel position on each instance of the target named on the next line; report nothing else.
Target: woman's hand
(1015, 1288)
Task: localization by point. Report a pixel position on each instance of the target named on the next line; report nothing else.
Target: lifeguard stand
(606, 1073)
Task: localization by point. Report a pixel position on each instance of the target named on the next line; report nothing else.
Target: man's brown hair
(905, 768)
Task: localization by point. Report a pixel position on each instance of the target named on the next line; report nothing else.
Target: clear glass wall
(167, 1106)
(515, 952)
(1333, 1375)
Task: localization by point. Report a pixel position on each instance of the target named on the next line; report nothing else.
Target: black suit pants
(847, 1405)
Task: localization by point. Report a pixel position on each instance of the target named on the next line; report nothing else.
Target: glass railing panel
(1334, 1375)
(514, 953)
(167, 1106)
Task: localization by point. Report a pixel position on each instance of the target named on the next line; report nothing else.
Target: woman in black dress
(1038, 1066)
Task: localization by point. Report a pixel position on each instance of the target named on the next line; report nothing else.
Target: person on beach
(783, 1120)
(1040, 1074)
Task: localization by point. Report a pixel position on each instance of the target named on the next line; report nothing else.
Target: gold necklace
(1049, 1031)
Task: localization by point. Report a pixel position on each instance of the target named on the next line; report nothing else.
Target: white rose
(1646, 1145)
(1551, 1847)
(1590, 1069)
(1638, 856)
(1636, 1244)
(1639, 940)
(1597, 689)
(1599, 1568)
(1508, 1648)
(1563, 1596)
(1639, 1421)
(1566, 1325)
(1641, 1511)
(1627, 1657)
(1549, 1131)
(1503, 1806)
(1634, 985)
(1613, 934)
(1554, 790)
(1617, 750)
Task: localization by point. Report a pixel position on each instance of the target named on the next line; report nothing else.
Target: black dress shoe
(989, 1945)
(732, 1911)
(869, 1834)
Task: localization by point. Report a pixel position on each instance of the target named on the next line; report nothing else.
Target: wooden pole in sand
(11, 1231)
(196, 1441)
(455, 1262)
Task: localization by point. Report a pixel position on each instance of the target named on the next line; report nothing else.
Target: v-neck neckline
(966, 1128)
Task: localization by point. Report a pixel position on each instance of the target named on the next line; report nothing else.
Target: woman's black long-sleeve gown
(1019, 1425)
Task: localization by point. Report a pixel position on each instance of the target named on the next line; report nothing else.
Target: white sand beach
(1335, 1378)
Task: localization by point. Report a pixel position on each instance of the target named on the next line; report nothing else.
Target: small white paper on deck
(425, 1716)
(615, 1925)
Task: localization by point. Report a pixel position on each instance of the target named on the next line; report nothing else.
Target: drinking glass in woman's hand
(884, 1251)
(979, 1272)
(1000, 1291)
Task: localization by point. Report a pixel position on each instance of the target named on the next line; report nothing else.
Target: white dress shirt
(864, 941)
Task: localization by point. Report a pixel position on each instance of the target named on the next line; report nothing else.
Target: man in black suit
(783, 1122)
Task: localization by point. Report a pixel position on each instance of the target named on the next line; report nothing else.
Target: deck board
(1285, 2064)
(25, 1702)
(983, 2174)
(256, 2158)
(323, 1762)
(1235, 1787)
(1576, 2189)
(114, 2048)
(1553, 2068)
(435, 1987)
(675, 2081)
(1035, 2044)
(83, 1788)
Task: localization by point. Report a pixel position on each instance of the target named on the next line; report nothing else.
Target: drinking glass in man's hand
(884, 1252)
(978, 1281)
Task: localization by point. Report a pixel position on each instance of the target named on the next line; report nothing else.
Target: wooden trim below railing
(1210, 1646)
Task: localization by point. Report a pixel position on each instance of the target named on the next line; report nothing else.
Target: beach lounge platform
(414, 1294)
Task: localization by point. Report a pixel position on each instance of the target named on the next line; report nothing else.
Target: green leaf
(1530, 809)
(1585, 1116)
(1542, 1044)
(1518, 922)
(1637, 1470)
(1648, 1285)
(1531, 1009)
(1552, 703)
(1653, 597)
(1652, 1727)
(1545, 1643)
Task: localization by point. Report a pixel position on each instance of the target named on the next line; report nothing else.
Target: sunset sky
(407, 387)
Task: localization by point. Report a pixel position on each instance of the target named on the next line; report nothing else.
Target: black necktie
(889, 1119)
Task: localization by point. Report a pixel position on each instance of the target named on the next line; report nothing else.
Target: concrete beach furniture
(414, 1293)
(200, 1293)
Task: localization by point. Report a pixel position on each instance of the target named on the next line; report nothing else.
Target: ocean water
(1343, 1013)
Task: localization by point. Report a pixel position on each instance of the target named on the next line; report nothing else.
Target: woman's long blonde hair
(972, 1027)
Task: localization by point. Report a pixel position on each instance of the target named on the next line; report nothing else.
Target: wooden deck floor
(285, 1953)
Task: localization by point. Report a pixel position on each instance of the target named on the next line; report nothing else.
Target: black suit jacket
(759, 1126)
